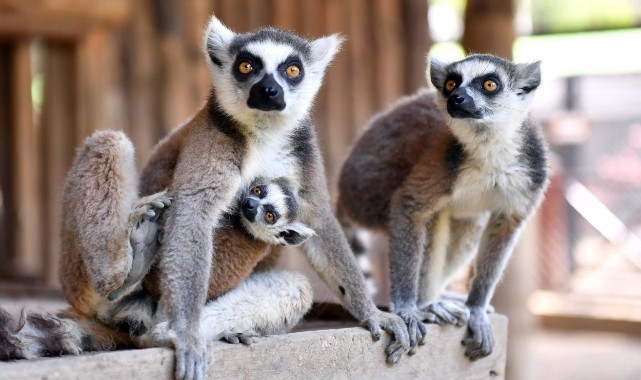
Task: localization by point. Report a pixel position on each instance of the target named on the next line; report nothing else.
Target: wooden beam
(59, 122)
(61, 18)
(336, 354)
(26, 169)
(6, 148)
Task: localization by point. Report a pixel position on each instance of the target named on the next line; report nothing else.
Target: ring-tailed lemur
(432, 169)
(255, 122)
(99, 319)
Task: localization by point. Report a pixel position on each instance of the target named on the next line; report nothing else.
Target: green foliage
(555, 16)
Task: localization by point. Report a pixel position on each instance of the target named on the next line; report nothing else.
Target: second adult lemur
(432, 169)
(255, 123)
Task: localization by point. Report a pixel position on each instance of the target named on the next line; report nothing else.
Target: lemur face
(266, 76)
(269, 211)
(483, 87)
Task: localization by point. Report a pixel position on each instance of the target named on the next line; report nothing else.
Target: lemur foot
(416, 330)
(479, 340)
(246, 337)
(446, 312)
(459, 297)
(191, 357)
(393, 325)
(150, 206)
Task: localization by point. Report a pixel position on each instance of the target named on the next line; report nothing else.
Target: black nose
(249, 208)
(271, 92)
(267, 95)
(461, 106)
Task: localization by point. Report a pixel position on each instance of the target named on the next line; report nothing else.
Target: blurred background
(573, 288)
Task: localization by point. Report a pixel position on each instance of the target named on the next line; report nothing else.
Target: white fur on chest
(492, 178)
(269, 157)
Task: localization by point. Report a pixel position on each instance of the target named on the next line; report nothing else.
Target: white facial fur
(233, 97)
(502, 118)
(275, 200)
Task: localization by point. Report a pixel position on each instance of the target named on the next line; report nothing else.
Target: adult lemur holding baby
(255, 124)
(449, 174)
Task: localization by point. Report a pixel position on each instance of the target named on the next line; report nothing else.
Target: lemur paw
(191, 358)
(247, 337)
(413, 320)
(393, 325)
(150, 206)
(446, 312)
(479, 340)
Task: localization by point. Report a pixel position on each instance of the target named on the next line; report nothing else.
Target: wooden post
(489, 27)
(59, 119)
(7, 251)
(25, 170)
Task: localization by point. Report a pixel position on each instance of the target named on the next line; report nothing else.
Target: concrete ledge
(337, 354)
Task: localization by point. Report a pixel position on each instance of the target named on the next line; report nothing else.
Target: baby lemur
(101, 185)
(255, 123)
(450, 174)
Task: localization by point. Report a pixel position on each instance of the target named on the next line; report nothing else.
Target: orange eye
(245, 67)
(270, 217)
(450, 85)
(292, 71)
(490, 85)
(256, 190)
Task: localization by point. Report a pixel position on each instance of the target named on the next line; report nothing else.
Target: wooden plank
(586, 311)
(389, 49)
(489, 27)
(60, 18)
(142, 85)
(6, 146)
(417, 43)
(26, 170)
(286, 14)
(337, 354)
(59, 123)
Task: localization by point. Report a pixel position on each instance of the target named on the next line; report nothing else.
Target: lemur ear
(216, 39)
(529, 77)
(296, 234)
(325, 48)
(436, 71)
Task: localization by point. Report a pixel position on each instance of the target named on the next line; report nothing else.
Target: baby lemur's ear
(528, 77)
(216, 40)
(436, 71)
(324, 49)
(296, 234)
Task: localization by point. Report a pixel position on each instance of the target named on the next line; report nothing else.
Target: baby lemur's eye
(450, 85)
(256, 190)
(490, 85)
(245, 67)
(270, 217)
(292, 71)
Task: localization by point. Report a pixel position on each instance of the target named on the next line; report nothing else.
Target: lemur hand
(393, 325)
(445, 311)
(413, 320)
(191, 357)
(479, 340)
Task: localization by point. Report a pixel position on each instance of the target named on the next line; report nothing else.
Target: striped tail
(34, 335)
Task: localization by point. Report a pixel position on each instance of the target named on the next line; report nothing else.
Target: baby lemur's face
(266, 77)
(269, 211)
(483, 88)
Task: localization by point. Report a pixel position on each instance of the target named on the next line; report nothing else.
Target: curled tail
(359, 248)
(34, 335)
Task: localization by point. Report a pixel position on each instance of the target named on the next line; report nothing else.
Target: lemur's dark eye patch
(256, 190)
(245, 67)
(270, 217)
(292, 69)
(451, 83)
(490, 85)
